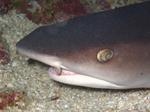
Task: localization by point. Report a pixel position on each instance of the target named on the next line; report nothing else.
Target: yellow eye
(104, 55)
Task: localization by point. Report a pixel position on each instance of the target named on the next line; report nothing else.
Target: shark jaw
(72, 78)
(60, 73)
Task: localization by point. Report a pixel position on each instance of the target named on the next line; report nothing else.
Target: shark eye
(104, 55)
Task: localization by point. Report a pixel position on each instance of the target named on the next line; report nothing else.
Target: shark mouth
(61, 74)
(72, 78)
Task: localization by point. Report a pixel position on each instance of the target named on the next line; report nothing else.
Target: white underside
(85, 81)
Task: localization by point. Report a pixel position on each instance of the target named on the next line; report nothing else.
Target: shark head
(99, 50)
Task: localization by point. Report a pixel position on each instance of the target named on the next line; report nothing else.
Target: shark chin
(72, 78)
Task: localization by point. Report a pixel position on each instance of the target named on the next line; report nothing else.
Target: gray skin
(74, 44)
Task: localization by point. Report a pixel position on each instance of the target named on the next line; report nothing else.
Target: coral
(46, 11)
(65, 9)
(72, 7)
(10, 99)
(5, 5)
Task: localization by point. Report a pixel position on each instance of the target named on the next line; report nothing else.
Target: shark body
(72, 48)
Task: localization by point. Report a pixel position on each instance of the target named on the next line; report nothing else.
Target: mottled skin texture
(75, 43)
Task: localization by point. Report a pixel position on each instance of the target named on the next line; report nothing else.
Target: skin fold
(71, 47)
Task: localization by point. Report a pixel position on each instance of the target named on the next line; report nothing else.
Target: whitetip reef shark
(109, 49)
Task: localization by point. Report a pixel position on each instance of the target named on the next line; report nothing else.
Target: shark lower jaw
(72, 78)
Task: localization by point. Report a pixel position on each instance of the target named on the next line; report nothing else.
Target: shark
(109, 49)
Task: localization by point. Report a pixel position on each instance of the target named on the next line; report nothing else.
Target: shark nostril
(104, 55)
